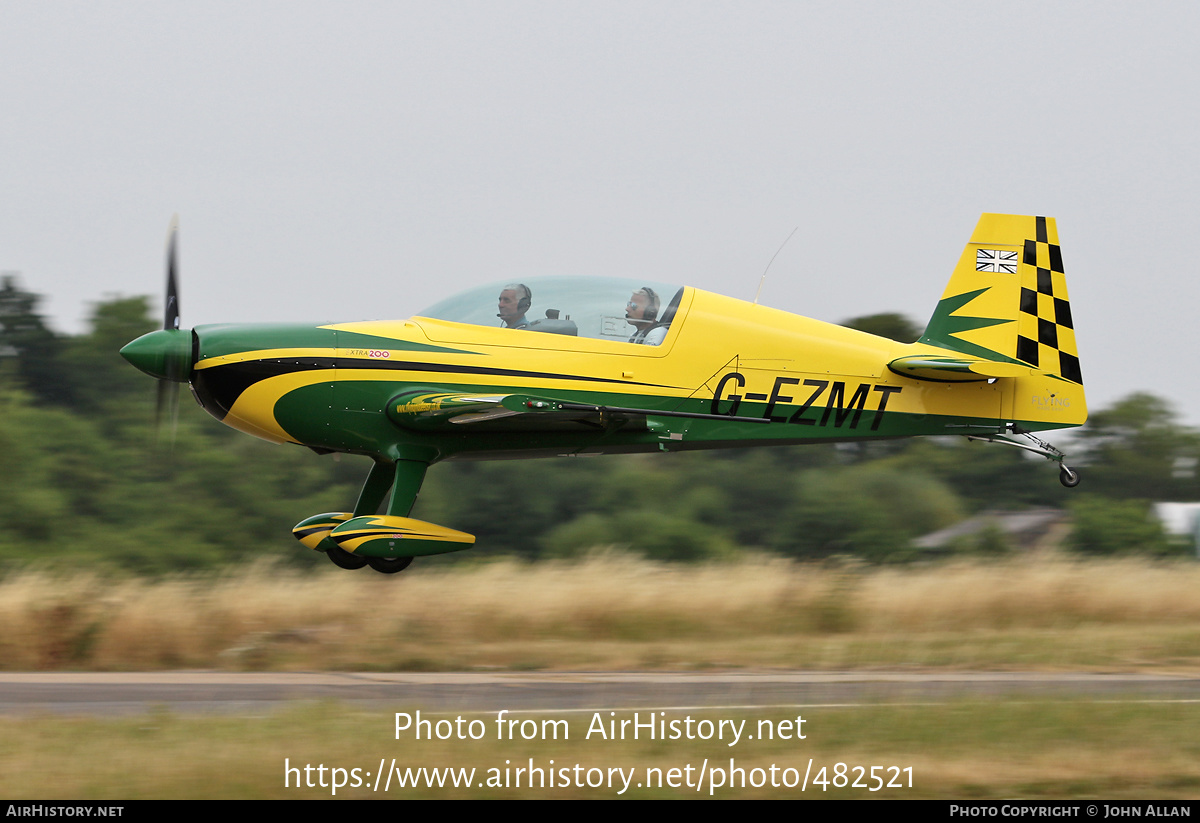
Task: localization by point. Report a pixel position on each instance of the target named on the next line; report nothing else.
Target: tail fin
(1007, 299)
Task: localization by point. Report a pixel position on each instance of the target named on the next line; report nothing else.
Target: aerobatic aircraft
(573, 366)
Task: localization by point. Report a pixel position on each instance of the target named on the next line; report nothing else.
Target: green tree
(32, 508)
(668, 537)
(870, 511)
(892, 326)
(28, 348)
(1138, 449)
(1108, 527)
(100, 377)
(982, 475)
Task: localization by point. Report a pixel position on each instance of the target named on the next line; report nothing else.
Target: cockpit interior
(599, 308)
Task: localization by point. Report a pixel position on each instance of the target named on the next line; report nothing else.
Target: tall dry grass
(611, 611)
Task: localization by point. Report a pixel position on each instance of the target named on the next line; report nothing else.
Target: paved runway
(202, 692)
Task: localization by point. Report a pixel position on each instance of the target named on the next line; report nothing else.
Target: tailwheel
(389, 565)
(344, 560)
(1068, 477)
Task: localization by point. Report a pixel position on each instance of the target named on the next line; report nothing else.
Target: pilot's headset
(525, 302)
(652, 304)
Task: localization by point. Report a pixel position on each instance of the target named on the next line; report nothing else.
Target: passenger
(515, 300)
(641, 312)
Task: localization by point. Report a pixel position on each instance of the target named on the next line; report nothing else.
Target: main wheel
(1068, 477)
(344, 560)
(389, 565)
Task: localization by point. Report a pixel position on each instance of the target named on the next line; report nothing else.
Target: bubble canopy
(593, 307)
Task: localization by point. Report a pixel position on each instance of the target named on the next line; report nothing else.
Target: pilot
(515, 299)
(641, 312)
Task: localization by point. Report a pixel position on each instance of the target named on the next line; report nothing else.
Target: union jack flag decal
(1003, 262)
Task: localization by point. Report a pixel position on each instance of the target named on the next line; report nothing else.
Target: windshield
(602, 308)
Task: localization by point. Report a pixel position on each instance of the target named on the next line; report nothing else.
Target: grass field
(615, 612)
(981, 750)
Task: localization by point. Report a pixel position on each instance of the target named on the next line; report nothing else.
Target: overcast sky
(355, 160)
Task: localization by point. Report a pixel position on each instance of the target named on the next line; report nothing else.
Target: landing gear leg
(409, 474)
(375, 488)
(405, 480)
(1066, 475)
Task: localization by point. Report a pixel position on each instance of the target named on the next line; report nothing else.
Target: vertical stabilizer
(1007, 299)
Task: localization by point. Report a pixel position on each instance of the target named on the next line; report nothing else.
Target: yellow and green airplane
(573, 366)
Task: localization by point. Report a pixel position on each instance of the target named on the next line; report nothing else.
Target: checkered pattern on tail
(1045, 332)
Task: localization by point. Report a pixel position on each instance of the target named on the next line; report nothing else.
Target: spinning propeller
(166, 354)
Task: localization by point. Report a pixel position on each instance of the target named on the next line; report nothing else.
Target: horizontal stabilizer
(954, 369)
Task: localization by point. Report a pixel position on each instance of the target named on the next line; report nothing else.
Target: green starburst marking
(944, 325)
